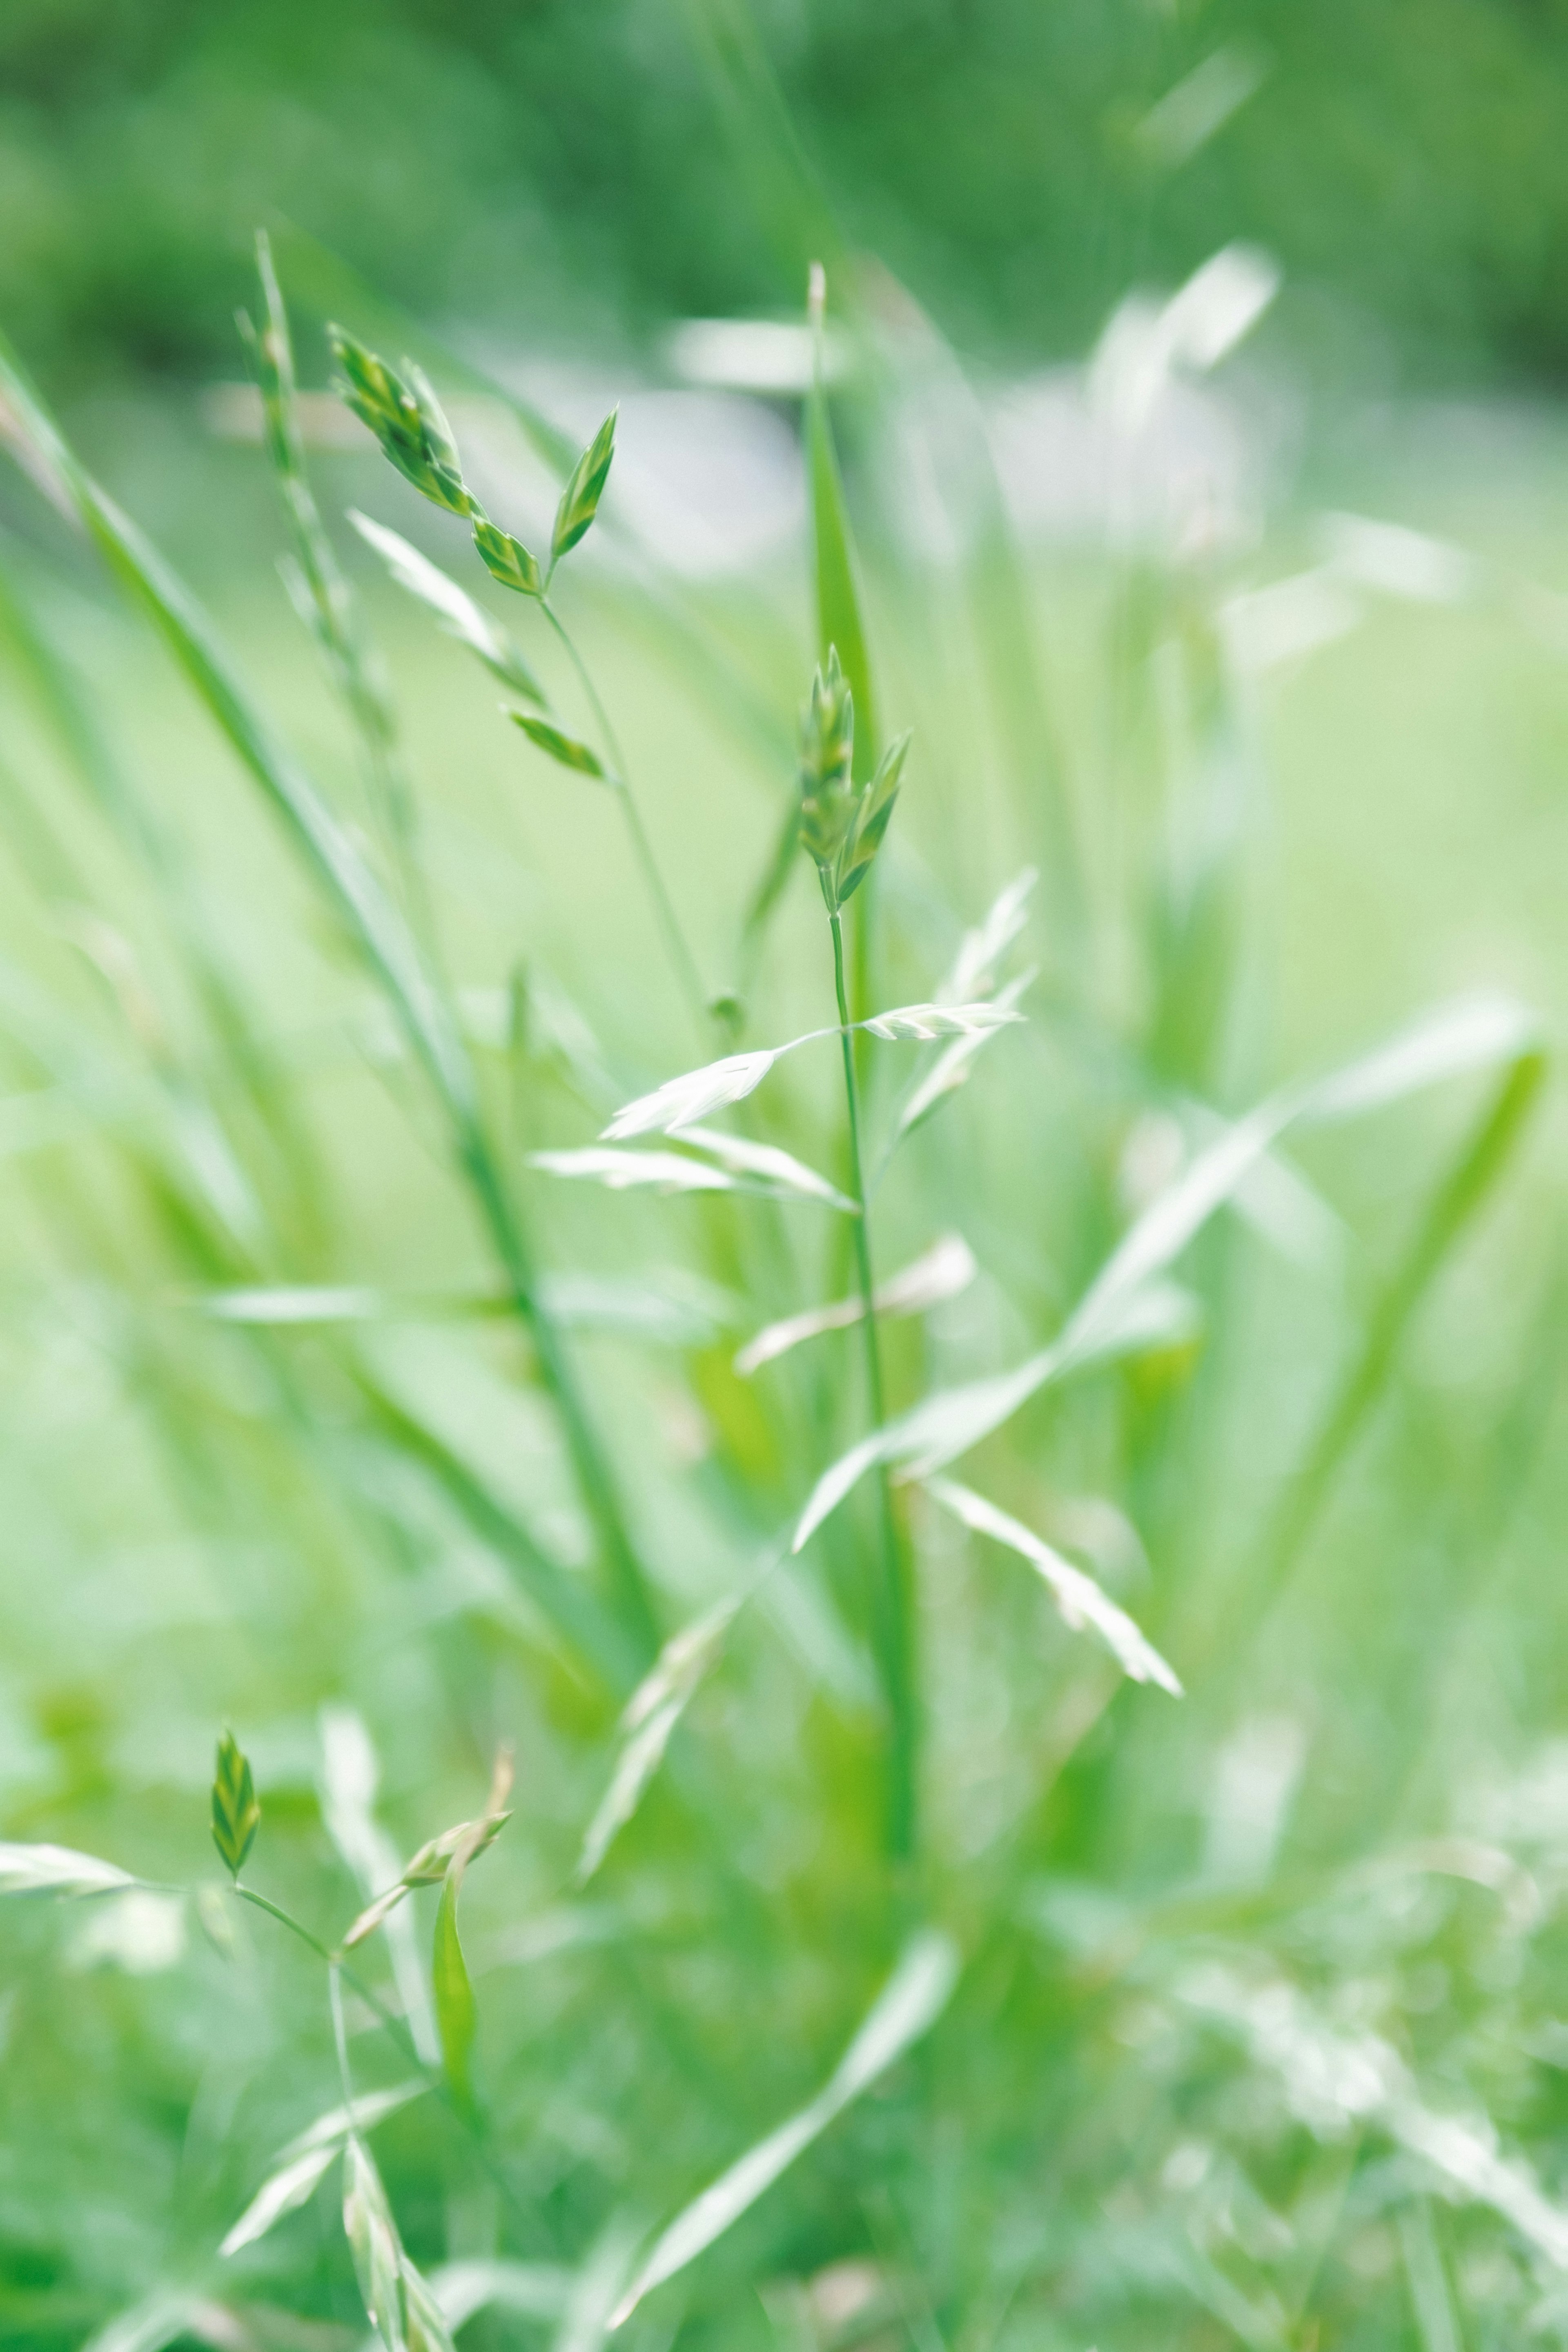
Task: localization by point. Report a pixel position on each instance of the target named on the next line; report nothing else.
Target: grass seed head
(407, 419)
(580, 499)
(237, 1815)
(507, 559)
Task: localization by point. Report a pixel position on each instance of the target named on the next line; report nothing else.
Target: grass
(1230, 2018)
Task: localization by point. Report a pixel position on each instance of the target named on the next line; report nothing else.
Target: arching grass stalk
(681, 954)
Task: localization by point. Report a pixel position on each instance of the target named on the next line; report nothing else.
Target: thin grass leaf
(652, 1712)
(236, 1814)
(952, 1067)
(533, 2290)
(944, 1270)
(1078, 1597)
(625, 1172)
(1112, 1317)
(780, 1170)
(457, 2013)
(351, 1777)
(838, 622)
(370, 2108)
(694, 1096)
(921, 1023)
(909, 2005)
(507, 559)
(424, 2320)
(566, 750)
(580, 499)
(351, 888)
(281, 2192)
(950, 1422)
(981, 951)
(57, 1870)
(459, 617)
(373, 2242)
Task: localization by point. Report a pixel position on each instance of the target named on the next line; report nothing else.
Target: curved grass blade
(941, 1273)
(909, 2005)
(1078, 1597)
(780, 1170)
(459, 617)
(1112, 1316)
(280, 2193)
(57, 1870)
(652, 1712)
(457, 2015)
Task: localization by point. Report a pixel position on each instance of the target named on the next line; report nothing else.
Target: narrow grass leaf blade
(917, 1023)
(685, 1101)
(280, 2193)
(454, 607)
(57, 1870)
(652, 1712)
(533, 2290)
(941, 1273)
(768, 1161)
(373, 2243)
(1078, 1597)
(370, 2108)
(909, 2005)
(953, 1063)
(1477, 1033)
(456, 2017)
(624, 1171)
(838, 622)
(353, 888)
(981, 951)
(424, 2319)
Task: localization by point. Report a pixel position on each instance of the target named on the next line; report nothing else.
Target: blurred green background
(573, 170)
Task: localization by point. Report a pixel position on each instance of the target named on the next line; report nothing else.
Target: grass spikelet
(236, 1813)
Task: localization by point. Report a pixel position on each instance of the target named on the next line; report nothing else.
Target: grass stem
(681, 955)
(892, 1615)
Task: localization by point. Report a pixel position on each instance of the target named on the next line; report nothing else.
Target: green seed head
(406, 418)
(237, 1816)
(580, 499)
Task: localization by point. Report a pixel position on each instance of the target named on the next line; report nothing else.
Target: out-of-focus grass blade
(1077, 1596)
(459, 616)
(776, 1168)
(1470, 1177)
(1473, 1033)
(839, 621)
(563, 1600)
(909, 2005)
(755, 121)
(652, 1712)
(455, 2014)
(57, 1870)
(941, 1273)
(281, 2192)
(353, 887)
(533, 2290)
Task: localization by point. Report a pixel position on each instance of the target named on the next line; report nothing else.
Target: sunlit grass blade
(944, 1270)
(459, 616)
(953, 1065)
(1078, 1597)
(693, 1096)
(624, 1171)
(909, 2005)
(57, 1870)
(779, 1169)
(839, 621)
(1446, 1044)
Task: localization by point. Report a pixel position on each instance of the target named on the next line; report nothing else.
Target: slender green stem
(893, 1613)
(341, 2039)
(681, 955)
(588, 1458)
